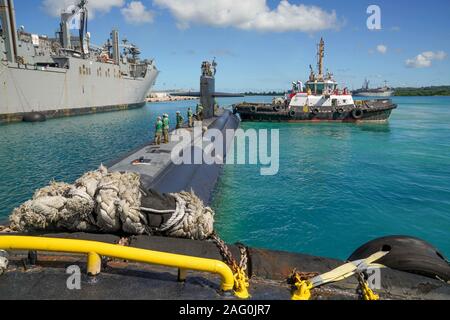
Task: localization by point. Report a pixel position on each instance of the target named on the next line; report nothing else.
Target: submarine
(143, 230)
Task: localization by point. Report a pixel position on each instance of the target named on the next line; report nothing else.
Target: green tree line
(401, 92)
(424, 91)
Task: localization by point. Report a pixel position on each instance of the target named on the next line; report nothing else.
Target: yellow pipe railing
(95, 250)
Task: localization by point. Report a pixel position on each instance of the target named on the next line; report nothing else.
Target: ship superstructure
(366, 91)
(66, 74)
(321, 89)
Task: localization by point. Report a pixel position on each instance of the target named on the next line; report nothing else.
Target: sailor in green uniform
(158, 131)
(190, 115)
(166, 125)
(200, 112)
(216, 106)
(180, 120)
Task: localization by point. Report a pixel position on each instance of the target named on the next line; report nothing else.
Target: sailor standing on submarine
(180, 120)
(165, 127)
(190, 115)
(199, 112)
(158, 131)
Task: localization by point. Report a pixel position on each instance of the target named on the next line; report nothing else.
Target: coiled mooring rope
(110, 203)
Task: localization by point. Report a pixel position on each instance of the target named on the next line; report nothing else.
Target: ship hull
(86, 87)
(370, 111)
(374, 94)
(60, 113)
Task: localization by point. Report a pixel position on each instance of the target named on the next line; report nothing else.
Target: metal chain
(244, 258)
(365, 291)
(228, 256)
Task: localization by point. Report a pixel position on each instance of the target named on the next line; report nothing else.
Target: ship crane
(80, 9)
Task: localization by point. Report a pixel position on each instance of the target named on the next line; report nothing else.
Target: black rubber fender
(407, 254)
(292, 113)
(277, 107)
(357, 113)
(34, 117)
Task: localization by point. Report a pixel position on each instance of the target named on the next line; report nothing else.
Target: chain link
(227, 256)
(366, 292)
(244, 258)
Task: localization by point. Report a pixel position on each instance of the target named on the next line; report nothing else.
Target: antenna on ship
(320, 56)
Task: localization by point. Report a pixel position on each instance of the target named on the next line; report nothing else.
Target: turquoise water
(339, 185)
(63, 149)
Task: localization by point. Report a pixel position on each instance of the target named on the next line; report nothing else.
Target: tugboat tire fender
(407, 254)
(340, 110)
(315, 111)
(253, 109)
(277, 107)
(357, 113)
(292, 113)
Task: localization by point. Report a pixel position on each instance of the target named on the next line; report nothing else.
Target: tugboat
(318, 100)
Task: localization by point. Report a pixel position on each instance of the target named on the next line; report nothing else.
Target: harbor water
(339, 185)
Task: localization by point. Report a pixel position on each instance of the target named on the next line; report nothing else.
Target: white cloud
(250, 15)
(55, 7)
(425, 59)
(381, 48)
(136, 13)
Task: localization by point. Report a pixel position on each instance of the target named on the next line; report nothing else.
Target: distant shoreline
(433, 91)
(170, 99)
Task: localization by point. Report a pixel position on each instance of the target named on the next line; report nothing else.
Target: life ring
(357, 113)
(407, 254)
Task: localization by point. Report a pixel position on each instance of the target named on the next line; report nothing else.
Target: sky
(266, 44)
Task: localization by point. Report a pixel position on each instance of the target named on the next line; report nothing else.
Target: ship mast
(320, 56)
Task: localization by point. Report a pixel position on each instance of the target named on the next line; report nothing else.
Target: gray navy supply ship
(43, 77)
(365, 91)
(318, 100)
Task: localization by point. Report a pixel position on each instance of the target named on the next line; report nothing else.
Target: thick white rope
(109, 202)
(175, 219)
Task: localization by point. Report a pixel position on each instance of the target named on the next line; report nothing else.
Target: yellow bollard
(94, 264)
